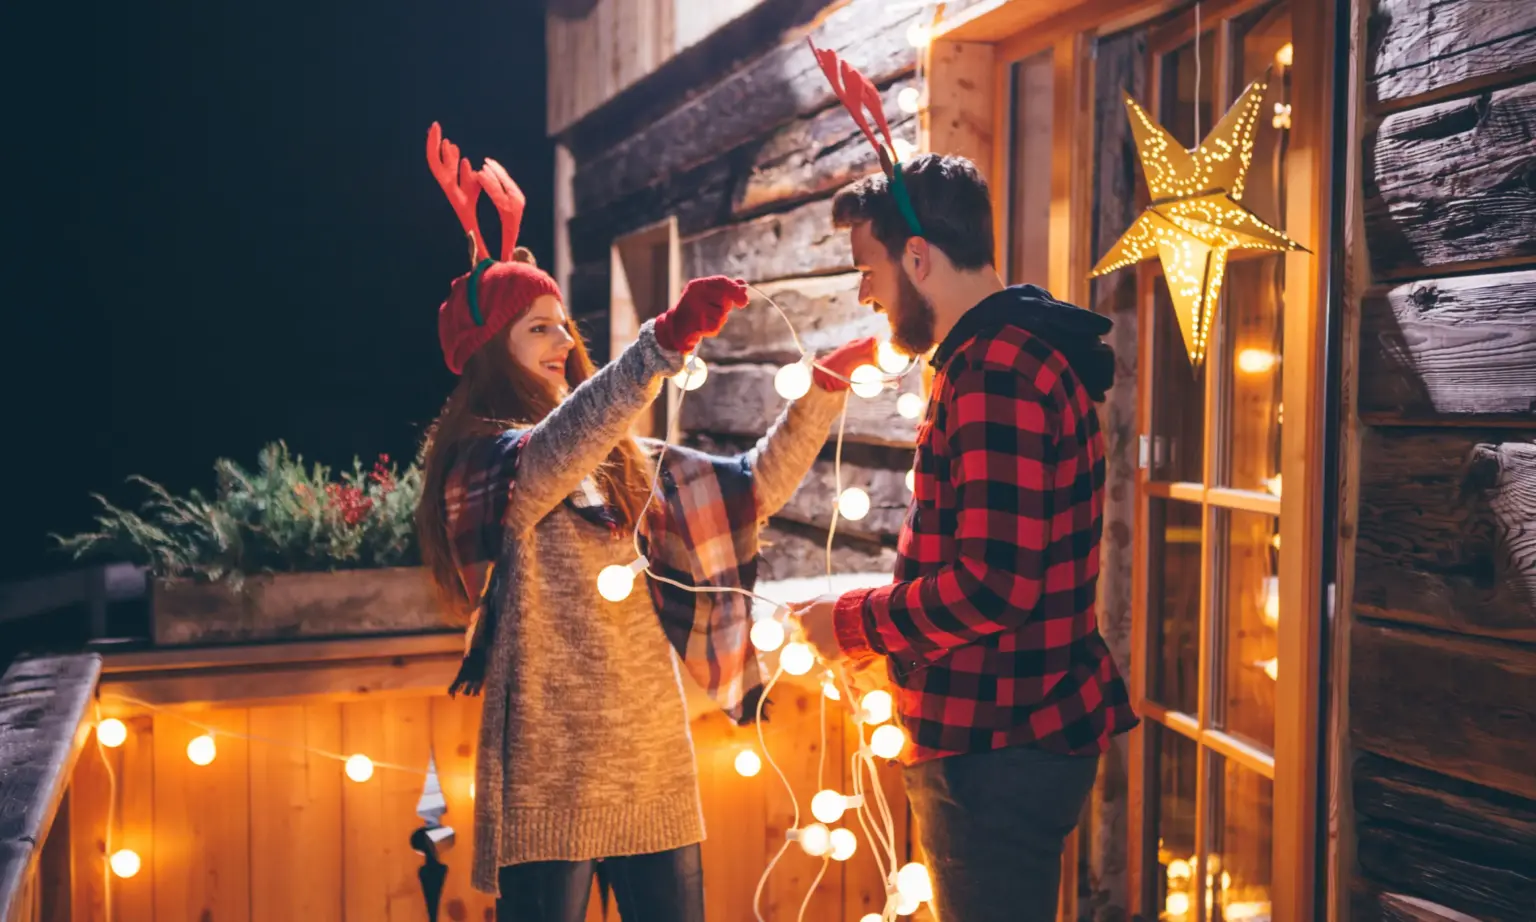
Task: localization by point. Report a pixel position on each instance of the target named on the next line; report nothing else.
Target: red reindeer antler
(509, 202)
(460, 183)
(857, 94)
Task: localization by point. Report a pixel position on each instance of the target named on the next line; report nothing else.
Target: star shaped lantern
(1196, 214)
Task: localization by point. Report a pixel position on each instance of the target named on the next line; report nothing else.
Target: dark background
(224, 233)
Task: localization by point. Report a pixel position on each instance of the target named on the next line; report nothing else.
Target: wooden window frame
(975, 51)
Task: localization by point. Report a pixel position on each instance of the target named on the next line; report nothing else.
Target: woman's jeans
(992, 825)
(664, 887)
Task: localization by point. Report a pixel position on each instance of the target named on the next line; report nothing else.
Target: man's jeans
(992, 826)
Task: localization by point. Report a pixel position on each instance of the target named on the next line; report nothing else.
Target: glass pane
(1173, 602)
(1176, 762)
(1240, 859)
(1178, 398)
(1029, 215)
(1248, 621)
(1253, 298)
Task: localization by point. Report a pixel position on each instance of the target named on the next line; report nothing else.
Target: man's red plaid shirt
(989, 627)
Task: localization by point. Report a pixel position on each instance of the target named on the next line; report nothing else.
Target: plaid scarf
(701, 532)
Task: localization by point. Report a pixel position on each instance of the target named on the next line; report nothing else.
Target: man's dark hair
(950, 198)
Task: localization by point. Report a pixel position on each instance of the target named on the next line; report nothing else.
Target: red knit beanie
(482, 302)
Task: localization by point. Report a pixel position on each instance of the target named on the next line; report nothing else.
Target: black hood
(1069, 329)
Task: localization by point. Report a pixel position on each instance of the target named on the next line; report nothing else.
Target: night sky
(228, 234)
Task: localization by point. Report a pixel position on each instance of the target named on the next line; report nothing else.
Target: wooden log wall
(1442, 645)
(746, 162)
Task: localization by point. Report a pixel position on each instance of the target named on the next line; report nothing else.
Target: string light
(913, 881)
(904, 149)
(1286, 56)
(1178, 869)
(911, 480)
(876, 707)
(112, 733)
(910, 405)
(871, 917)
(767, 634)
(1272, 484)
(359, 768)
(887, 741)
(693, 375)
(793, 381)
(1271, 600)
(797, 658)
(868, 382)
(125, 863)
(814, 839)
(748, 763)
(853, 504)
(1177, 904)
(919, 35)
(829, 688)
(1271, 667)
(1282, 117)
(615, 582)
(471, 790)
(890, 361)
(201, 750)
(829, 806)
(1256, 361)
(844, 844)
(909, 100)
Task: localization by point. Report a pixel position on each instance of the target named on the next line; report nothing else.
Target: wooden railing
(45, 721)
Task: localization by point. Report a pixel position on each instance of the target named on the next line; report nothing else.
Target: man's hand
(815, 619)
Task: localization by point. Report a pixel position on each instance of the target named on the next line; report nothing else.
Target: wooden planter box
(288, 606)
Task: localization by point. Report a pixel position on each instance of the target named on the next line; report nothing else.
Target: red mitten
(842, 361)
(700, 312)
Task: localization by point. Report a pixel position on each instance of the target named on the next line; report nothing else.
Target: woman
(533, 486)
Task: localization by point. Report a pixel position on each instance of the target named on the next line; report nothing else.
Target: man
(1005, 687)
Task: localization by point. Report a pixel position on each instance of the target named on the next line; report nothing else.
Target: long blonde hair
(494, 394)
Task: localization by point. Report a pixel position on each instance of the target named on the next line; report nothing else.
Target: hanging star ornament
(1196, 214)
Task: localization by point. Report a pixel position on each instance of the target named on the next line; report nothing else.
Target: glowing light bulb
(1275, 541)
(910, 406)
(1177, 904)
(829, 688)
(876, 706)
(1178, 869)
(871, 917)
(906, 905)
(797, 658)
(844, 844)
(112, 732)
(748, 763)
(471, 790)
(887, 741)
(890, 361)
(918, 35)
(202, 750)
(913, 881)
(904, 149)
(615, 582)
(1286, 55)
(909, 100)
(815, 839)
(793, 381)
(853, 504)
(828, 806)
(767, 635)
(1256, 361)
(359, 768)
(693, 375)
(1273, 484)
(911, 481)
(1226, 880)
(867, 381)
(125, 863)
(1270, 666)
(1271, 600)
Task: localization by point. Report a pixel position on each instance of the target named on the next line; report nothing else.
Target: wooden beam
(1444, 538)
(1396, 907)
(1451, 183)
(960, 104)
(994, 21)
(740, 400)
(44, 723)
(1462, 346)
(1419, 47)
(825, 311)
(1455, 705)
(116, 666)
(793, 243)
(1466, 846)
(341, 681)
(773, 89)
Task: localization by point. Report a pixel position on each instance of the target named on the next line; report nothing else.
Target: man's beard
(912, 319)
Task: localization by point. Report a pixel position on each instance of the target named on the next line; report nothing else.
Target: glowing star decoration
(1196, 215)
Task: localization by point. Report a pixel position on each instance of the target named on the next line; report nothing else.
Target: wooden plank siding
(1441, 669)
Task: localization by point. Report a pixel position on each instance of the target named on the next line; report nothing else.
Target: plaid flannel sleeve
(1001, 442)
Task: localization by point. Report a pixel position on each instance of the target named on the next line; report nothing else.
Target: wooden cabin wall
(1442, 644)
(747, 162)
(269, 832)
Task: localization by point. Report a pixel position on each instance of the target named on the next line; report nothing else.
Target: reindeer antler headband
(858, 94)
(462, 185)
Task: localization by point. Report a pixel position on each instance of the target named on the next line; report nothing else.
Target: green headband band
(904, 201)
(474, 290)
